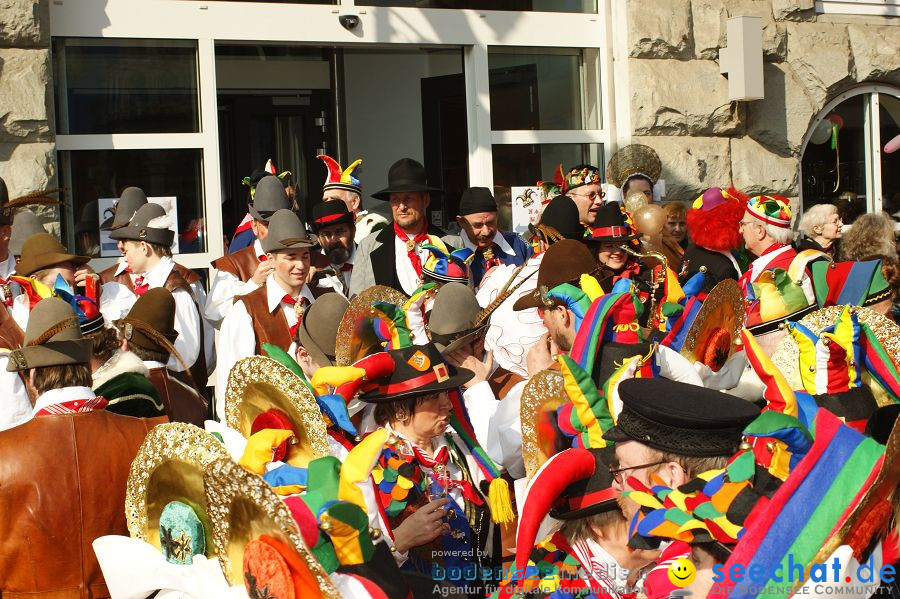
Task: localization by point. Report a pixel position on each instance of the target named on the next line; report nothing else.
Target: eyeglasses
(591, 196)
(617, 472)
(745, 222)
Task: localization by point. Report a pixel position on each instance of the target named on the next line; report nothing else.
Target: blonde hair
(871, 235)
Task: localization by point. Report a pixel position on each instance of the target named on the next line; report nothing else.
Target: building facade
(186, 97)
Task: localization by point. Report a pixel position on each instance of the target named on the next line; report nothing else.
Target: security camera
(349, 22)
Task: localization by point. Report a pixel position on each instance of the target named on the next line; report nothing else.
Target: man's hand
(85, 272)
(424, 526)
(482, 368)
(262, 271)
(540, 356)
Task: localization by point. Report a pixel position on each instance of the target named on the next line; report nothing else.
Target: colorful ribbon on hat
(771, 210)
(612, 317)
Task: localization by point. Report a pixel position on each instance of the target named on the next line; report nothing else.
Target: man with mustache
(333, 225)
(477, 219)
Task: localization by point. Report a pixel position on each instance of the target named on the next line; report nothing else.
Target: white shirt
(225, 287)
(237, 339)
(330, 281)
(58, 396)
(15, 405)
(498, 239)
(406, 274)
(188, 323)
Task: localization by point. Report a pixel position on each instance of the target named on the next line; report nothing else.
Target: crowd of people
(368, 407)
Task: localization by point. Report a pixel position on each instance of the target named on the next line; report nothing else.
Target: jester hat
(341, 178)
(255, 177)
(582, 174)
(780, 295)
(771, 210)
(448, 267)
(849, 283)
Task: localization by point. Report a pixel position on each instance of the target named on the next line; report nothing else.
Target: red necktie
(140, 287)
(411, 245)
(290, 301)
(346, 267)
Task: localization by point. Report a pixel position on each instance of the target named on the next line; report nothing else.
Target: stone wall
(27, 149)
(679, 101)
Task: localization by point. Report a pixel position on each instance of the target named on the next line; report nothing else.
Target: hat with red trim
(327, 214)
(418, 370)
(771, 210)
(340, 178)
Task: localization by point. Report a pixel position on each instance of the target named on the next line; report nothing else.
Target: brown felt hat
(52, 338)
(286, 232)
(318, 330)
(152, 316)
(43, 250)
(454, 311)
(25, 224)
(139, 227)
(128, 203)
(564, 262)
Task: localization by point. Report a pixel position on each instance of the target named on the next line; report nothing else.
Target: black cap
(475, 200)
(559, 220)
(680, 418)
(332, 212)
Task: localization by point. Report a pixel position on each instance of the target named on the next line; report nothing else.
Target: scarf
(75, 406)
(412, 245)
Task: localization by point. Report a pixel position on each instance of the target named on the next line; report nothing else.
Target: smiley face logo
(682, 572)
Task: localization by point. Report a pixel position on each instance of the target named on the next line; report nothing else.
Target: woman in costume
(430, 480)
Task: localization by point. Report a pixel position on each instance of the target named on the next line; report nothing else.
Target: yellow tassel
(499, 501)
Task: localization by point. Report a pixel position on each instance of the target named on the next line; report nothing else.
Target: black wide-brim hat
(405, 175)
(680, 418)
(610, 225)
(418, 370)
(589, 496)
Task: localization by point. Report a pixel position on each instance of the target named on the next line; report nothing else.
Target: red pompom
(274, 419)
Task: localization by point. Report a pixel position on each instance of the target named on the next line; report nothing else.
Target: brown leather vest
(108, 275)
(268, 327)
(57, 497)
(241, 264)
(198, 370)
(182, 403)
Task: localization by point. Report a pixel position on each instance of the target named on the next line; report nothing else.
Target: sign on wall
(526, 207)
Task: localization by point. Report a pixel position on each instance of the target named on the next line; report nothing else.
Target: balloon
(892, 146)
(634, 200)
(821, 133)
(650, 219)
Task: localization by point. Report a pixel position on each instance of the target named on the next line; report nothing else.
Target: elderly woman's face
(431, 416)
(831, 229)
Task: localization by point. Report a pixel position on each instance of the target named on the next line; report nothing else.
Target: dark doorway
(289, 129)
(445, 139)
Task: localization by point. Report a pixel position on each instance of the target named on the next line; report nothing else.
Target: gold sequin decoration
(242, 506)
(544, 391)
(356, 337)
(258, 383)
(722, 308)
(787, 355)
(168, 466)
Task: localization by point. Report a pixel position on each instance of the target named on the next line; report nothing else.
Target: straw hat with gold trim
(713, 336)
(257, 538)
(542, 396)
(165, 504)
(631, 161)
(356, 336)
(264, 394)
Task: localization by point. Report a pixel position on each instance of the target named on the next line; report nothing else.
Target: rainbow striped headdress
(849, 283)
(611, 317)
(771, 210)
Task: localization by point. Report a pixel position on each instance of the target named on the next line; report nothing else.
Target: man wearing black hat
(394, 256)
(477, 219)
(273, 312)
(334, 227)
(513, 332)
(246, 270)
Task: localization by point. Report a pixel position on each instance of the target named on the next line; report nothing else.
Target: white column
(478, 116)
(209, 126)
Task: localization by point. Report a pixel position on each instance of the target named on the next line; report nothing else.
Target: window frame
(872, 141)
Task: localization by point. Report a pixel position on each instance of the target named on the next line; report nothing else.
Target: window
(93, 177)
(844, 155)
(884, 8)
(126, 86)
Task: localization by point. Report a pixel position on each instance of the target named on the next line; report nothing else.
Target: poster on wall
(526, 207)
(105, 208)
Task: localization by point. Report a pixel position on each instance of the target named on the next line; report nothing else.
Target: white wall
(384, 109)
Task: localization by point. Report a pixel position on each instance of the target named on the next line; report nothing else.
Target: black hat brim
(455, 381)
(597, 508)
(385, 194)
(616, 435)
(607, 239)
